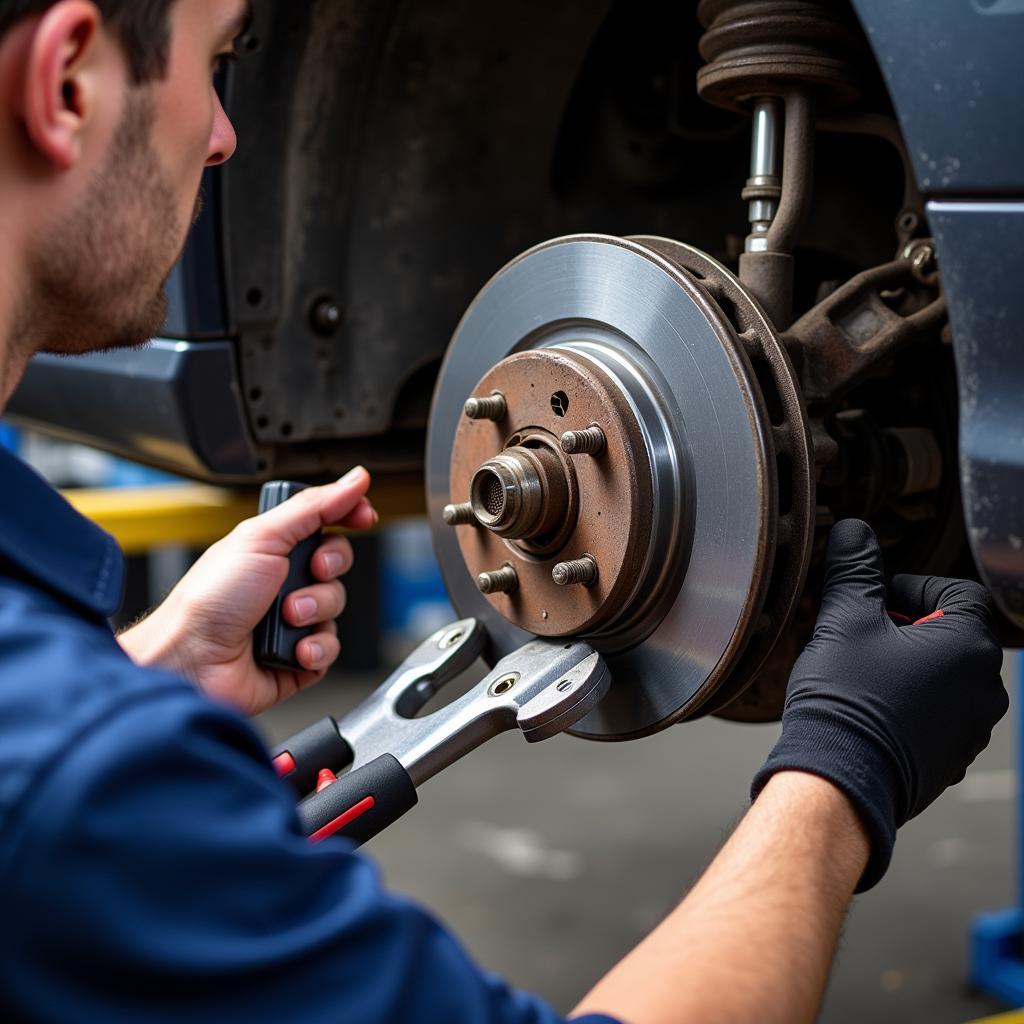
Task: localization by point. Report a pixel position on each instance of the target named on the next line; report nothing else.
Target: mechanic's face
(98, 281)
(190, 129)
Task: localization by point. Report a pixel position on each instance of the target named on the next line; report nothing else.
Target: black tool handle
(300, 758)
(274, 639)
(361, 803)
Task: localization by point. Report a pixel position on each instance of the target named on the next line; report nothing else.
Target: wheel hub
(537, 507)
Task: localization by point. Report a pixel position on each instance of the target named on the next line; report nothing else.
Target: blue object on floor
(8, 437)
(415, 601)
(997, 938)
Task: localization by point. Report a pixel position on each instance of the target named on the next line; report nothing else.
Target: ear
(58, 90)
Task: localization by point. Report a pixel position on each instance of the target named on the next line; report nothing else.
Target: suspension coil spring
(758, 48)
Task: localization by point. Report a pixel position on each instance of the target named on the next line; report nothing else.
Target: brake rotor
(617, 475)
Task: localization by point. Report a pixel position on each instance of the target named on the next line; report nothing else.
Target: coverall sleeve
(157, 872)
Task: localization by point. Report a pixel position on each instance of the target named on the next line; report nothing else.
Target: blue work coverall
(151, 862)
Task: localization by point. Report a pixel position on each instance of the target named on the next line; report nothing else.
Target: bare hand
(204, 627)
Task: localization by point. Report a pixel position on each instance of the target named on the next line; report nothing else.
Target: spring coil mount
(757, 48)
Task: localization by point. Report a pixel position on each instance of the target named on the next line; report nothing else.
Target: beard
(97, 281)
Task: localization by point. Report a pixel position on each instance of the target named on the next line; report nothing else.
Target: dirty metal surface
(608, 514)
(764, 48)
(360, 217)
(654, 328)
(861, 323)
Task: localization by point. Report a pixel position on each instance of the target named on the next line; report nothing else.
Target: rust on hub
(541, 507)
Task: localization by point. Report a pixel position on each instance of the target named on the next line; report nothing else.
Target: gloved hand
(891, 714)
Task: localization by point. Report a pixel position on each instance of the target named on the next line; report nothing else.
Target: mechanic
(153, 864)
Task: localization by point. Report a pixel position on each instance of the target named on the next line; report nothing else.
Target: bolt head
(326, 316)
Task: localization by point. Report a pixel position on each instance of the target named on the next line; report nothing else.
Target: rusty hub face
(536, 507)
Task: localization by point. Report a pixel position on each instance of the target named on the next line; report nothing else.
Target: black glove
(891, 714)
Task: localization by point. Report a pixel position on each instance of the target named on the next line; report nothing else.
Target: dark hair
(142, 26)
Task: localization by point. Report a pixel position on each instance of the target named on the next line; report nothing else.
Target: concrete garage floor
(551, 861)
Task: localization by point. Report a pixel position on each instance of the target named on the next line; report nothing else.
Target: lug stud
(492, 407)
(459, 515)
(498, 581)
(584, 442)
(582, 571)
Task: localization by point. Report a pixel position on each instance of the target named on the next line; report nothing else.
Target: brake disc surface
(614, 315)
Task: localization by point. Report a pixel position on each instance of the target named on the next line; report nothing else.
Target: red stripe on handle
(928, 618)
(343, 819)
(284, 764)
